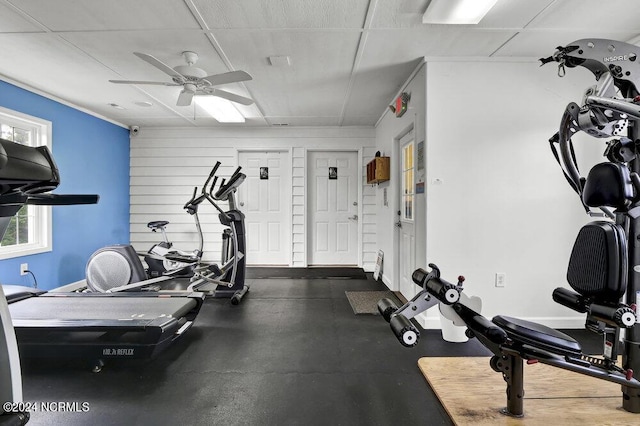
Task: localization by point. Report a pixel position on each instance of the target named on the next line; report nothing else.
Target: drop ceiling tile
(283, 13)
(398, 13)
(115, 50)
(311, 121)
(388, 47)
(12, 21)
(45, 62)
(538, 44)
(513, 13)
(96, 15)
(591, 15)
(369, 120)
(408, 13)
(374, 88)
(317, 80)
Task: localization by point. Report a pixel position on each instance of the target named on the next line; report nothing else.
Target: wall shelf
(378, 170)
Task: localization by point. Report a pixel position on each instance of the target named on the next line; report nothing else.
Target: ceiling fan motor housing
(191, 73)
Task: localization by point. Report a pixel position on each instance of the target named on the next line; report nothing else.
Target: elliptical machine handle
(236, 172)
(213, 185)
(211, 175)
(215, 168)
(192, 199)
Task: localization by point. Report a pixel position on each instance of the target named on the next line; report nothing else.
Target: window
(29, 231)
(407, 181)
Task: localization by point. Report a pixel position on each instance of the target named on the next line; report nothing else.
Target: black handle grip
(404, 330)
(386, 307)
(236, 171)
(214, 169)
(570, 299)
(419, 276)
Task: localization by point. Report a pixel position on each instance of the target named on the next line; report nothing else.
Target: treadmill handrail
(62, 199)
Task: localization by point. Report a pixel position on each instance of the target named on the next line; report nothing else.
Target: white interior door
(406, 216)
(332, 208)
(264, 199)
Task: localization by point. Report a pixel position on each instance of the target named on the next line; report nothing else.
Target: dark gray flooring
(293, 353)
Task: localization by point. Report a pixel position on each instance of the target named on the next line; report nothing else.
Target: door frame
(288, 194)
(396, 177)
(306, 199)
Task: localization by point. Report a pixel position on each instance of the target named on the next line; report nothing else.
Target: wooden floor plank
(473, 394)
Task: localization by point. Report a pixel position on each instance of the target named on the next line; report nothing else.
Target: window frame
(407, 181)
(41, 224)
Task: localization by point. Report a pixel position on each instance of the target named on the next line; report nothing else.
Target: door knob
(241, 203)
(354, 217)
(398, 224)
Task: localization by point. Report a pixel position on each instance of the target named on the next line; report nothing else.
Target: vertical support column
(631, 356)
(10, 374)
(513, 373)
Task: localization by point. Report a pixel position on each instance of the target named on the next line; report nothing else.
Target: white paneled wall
(166, 164)
(369, 215)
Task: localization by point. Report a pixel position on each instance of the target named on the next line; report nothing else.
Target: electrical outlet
(501, 279)
(24, 267)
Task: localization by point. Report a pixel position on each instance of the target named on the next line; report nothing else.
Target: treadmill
(94, 326)
(99, 326)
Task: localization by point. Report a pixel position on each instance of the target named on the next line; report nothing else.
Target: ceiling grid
(347, 58)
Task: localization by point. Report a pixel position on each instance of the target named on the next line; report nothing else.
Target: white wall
(388, 131)
(503, 204)
(167, 163)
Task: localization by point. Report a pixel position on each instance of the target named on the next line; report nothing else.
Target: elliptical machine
(603, 267)
(226, 280)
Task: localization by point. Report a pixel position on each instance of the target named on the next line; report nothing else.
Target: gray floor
(293, 353)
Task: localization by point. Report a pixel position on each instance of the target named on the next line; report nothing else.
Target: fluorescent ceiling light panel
(457, 11)
(220, 109)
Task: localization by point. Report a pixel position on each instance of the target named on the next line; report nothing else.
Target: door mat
(366, 302)
(306, 273)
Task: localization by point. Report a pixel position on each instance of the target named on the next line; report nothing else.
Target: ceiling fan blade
(161, 83)
(228, 77)
(185, 97)
(229, 96)
(160, 65)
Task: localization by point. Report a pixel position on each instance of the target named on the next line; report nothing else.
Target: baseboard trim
(388, 282)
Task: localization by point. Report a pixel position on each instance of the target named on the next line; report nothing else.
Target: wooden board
(473, 394)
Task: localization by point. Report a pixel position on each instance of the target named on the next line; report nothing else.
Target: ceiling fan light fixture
(460, 12)
(220, 109)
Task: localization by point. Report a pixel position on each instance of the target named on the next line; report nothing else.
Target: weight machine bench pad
(538, 336)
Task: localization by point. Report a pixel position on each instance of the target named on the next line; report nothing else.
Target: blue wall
(93, 158)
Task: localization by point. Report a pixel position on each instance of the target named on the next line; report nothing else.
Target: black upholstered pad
(538, 335)
(598, 263)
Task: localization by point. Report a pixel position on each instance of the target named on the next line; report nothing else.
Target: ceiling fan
(194, 81)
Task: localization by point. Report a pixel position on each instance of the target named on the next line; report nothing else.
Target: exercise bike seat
(156, 224)
(538, 336)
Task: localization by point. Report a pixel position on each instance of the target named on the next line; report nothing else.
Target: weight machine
(604, 267)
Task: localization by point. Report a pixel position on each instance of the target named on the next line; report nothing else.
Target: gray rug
(366, 302)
